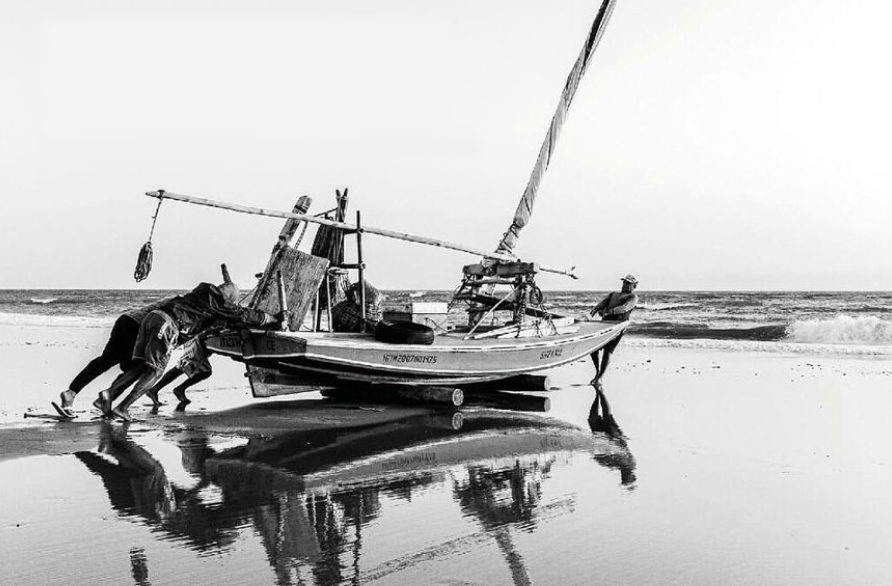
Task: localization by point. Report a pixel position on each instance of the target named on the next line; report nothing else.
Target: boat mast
(525, 207)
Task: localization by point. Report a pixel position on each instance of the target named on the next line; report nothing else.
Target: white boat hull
(449, 360)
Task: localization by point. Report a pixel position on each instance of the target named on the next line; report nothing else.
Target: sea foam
(842, 329)
(798, 348)
(54, 321)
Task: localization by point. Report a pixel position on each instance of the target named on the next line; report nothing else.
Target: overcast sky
(721, 144)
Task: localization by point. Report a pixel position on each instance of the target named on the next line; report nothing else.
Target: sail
(525, 207)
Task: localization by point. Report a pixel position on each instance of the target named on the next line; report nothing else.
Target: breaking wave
(666, 306)
(842, 329)
(44, 300)
(778, 347)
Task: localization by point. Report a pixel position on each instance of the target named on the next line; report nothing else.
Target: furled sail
(525, 207)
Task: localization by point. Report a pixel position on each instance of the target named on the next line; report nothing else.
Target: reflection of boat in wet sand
(509, 331)
(494, 465)
(308, 494)
(427, 445)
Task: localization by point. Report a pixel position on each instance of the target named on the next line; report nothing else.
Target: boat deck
(456, 339)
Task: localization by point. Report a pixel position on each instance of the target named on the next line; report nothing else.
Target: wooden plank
(302, 274)
(501, 269)
(266, 382)
(285, 236)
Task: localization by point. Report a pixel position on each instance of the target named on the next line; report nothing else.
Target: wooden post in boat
(361, 269)
(283, 300)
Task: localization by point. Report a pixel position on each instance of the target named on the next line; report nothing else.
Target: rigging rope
(144, 262)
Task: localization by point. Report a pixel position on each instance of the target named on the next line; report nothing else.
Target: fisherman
(617, 306)
(176, 322)
(346, 316)
(118, 351)
(194, 364)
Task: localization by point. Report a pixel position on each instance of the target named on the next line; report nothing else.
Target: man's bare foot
(153, 395)
(122, 413)
(67, 398)
(180, 394)
(103, 403)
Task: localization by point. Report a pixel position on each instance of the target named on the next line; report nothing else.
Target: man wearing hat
(617, 306)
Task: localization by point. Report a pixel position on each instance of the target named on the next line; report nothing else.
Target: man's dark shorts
(610, 346)
(195, 359)
(119, 348)
(156, 340)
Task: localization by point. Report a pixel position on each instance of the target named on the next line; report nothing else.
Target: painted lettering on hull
(409, 359)
(230, 342)
(553, 353)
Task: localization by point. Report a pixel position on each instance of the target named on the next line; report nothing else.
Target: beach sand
(732, 468)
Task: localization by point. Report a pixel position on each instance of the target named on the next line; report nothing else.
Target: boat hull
(449, 360)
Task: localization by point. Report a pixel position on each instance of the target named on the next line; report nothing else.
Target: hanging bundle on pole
(144, 262)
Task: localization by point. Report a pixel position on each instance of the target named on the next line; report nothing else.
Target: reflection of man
(136, 483)
(617, 306)
(600, 420)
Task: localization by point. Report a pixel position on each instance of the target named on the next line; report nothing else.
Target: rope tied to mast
(144, 262)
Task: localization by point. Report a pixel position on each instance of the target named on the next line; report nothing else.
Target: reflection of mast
(515, 562)
(481, 499)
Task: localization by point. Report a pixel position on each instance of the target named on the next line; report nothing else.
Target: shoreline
(710, 464)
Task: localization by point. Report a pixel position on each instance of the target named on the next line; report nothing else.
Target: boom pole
(162, 194)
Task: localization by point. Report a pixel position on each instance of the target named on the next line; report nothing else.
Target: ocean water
(850, 323)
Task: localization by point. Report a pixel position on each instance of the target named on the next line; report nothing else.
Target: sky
(712, 145)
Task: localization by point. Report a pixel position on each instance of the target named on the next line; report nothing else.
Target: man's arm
(600, 306)
(252, 317)
(627, 303)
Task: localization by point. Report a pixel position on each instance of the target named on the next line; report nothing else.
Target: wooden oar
(162, 194)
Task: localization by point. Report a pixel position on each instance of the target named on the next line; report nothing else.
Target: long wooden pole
(162, 194)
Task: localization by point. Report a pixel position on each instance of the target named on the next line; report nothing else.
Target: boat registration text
(410, 358)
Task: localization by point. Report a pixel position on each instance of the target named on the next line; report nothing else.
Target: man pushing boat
(617, 306)
(176, 321)
(118, 351)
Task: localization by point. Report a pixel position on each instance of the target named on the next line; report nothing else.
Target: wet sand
(711, 468)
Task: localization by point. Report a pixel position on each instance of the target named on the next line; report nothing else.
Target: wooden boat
(449, 360)
(304, 356)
